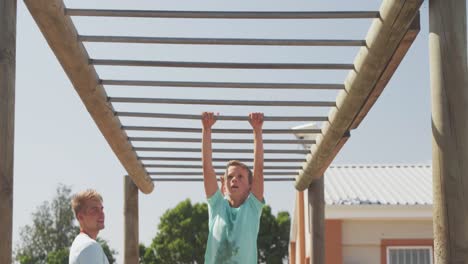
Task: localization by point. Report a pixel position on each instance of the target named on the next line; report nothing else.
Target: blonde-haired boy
(88, 209)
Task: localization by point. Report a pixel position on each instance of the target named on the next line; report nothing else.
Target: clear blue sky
(56, 140)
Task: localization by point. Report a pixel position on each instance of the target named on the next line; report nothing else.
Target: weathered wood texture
(449, 86)
(61, 35)
(131, 253)
(383, 39)
(392, 66)
(317, 220)
(7, 117)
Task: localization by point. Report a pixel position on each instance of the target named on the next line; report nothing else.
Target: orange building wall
(333, 242)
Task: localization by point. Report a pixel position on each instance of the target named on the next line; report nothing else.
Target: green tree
(183, 232)
(58, 257)
(273, 237)
(110, 253)
(182, 235)
(47, 239)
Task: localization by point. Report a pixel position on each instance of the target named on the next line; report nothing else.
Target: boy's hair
(78, 201)
(239, 164)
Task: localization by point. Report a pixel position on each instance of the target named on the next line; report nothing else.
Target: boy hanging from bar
(234, 219)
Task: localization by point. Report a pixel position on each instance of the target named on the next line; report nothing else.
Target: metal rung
(220, 130)
(270, 151)
(312, 86)
(194, 173)
(222, 117)
(223, 14)
(221, 140)
(196, 159)
(225, 65)
(173, 179)
(185, 166)
(220, 102)
(224, 41)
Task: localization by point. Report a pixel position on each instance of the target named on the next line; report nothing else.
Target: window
(409, 255)
(407, 251)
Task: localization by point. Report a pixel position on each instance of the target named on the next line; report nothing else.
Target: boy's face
(237, 184)
(92, 216)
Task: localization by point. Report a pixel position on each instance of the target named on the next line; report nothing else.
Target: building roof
(378, 185)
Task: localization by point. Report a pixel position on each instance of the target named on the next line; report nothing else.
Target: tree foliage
(273, 237)
(183, 232)
(48, 238)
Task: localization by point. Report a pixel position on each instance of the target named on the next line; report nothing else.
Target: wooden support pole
(7, 123)
(317, 220)
(61, 34)
(131, 253)
(449, 87)
(301, 227)
(383, 39)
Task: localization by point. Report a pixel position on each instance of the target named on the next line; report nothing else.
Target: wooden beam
(317, 221)
(335, 151)
(131, 240)
(7, 124)
(61, 35)
(395, 61)
(449, 88)
(383, 39)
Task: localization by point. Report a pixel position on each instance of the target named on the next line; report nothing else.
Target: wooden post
(449, 87)
(131, 254)
(7, 123)
(317, 220)
(301, 227)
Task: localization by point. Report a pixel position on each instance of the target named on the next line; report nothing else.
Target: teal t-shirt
(233, 232)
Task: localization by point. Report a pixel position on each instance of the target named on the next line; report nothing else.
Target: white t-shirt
(86, 250)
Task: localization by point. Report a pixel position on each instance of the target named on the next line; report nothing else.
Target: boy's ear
(79, 216)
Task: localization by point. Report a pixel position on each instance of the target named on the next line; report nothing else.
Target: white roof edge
(379, 212)
(383, 165)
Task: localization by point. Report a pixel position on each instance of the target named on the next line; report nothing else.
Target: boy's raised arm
(256, 120)
(209, 174)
